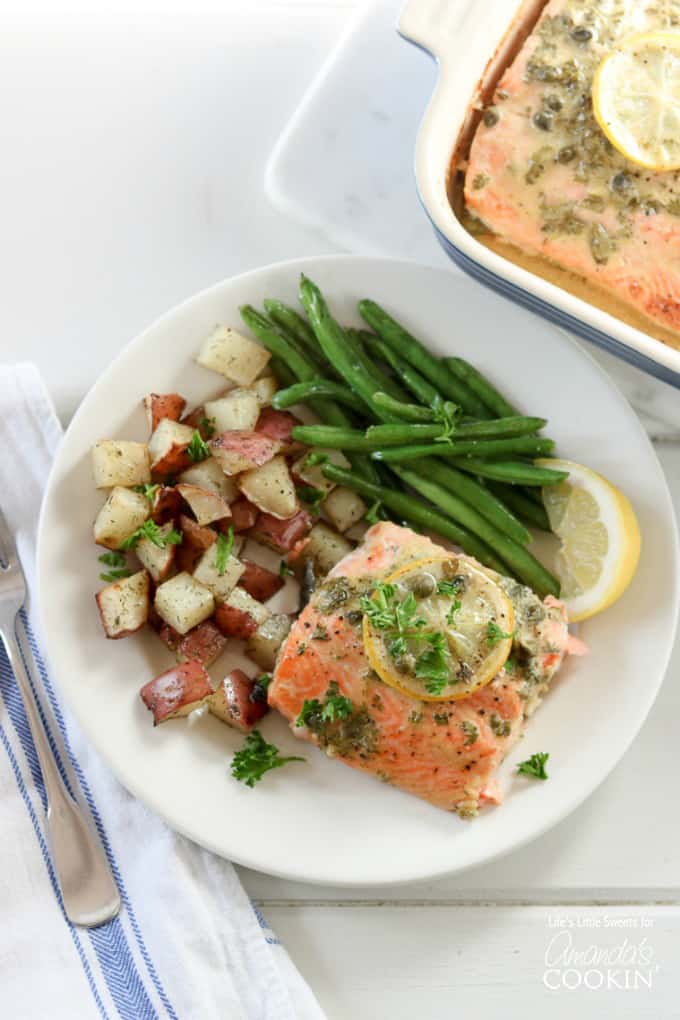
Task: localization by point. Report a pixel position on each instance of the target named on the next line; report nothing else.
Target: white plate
(320, 821)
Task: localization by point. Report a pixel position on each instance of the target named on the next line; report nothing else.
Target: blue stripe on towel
(48, 862)
(109, 941)
(47, 684)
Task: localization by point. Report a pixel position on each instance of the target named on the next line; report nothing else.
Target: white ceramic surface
(321, 822)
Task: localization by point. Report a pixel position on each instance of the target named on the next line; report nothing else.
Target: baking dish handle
(434, 25)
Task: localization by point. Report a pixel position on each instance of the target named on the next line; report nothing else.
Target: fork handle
(88, 889)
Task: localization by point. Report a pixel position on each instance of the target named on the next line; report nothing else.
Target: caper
(582, 34)
(543, 120)
(566, 154)
(423, 585)
(406, 663)
(621, 182)
(491, 117)
(354, 616)
(553, 103)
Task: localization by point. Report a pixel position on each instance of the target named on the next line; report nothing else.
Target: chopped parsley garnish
(198, 449)
(115, 575)
(223, 547)
(432, 666)
(451, 615)
(148, 491)
(534, 766)
(447, 413)
(314, 458)
(151, 530)
(471, 732)
(495, 634)
(312, 497)
(501, 727)
(285, 570)
(335, 706)
(257, 757)
(451, 588)
(113, 559)
(208, 426)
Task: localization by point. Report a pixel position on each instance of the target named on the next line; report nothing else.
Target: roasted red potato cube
(171, 638)
(163, 405)
(239, 450)
(205, 505)
(281, 535)
(243, 514)
(233, 703)
(124, 605)
(177, 692)
(259, 582)
(240, 615)
(264, 644)
(195, 540)
(168, 448)
(203, 644)
(278, 425)
(166, 504)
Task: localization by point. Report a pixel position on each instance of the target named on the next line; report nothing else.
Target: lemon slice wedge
(441, 628)
(599, 539)
(636, 99)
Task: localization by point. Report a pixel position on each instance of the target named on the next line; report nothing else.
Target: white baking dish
(469, 39)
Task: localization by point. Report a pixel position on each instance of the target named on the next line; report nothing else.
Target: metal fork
(88, 889)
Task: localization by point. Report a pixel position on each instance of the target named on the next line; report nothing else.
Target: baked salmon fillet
(446, 752)
(543, 177)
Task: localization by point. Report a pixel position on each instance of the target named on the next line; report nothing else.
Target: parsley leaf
(336, 706)
(285, 570)
(151, 530)
(257, 757)
(311, 708)
(451, 615)
(208, 426)
(115, 575)
(374, 513)
(432, 666)
(149, 491)
(534, 766)
(495, 634)
(223, 547)
(198, 449)
(451, 588)
(315, 457)
(112, 559)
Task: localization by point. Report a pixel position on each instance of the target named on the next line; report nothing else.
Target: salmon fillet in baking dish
(543, 177)
(446, 752)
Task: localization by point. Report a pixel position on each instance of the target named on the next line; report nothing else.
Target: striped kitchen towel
(188, 944)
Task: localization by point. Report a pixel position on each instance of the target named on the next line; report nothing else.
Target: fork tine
(8, 550)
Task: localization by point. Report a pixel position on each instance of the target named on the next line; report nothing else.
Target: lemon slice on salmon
(636, 99)
(599, 539)
(438, 628)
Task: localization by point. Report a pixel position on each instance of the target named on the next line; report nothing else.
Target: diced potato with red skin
(195, 540)
(231, 702)
(183, 602)
(242, 450)
(241, 615)
(324, 548)
(271, 488)
(124, 605)
(264, 643)
(168, 448)
(198, 421)
(232, 355)
(163, 405)
(203, 644)
(123, 512)
(344, 508)
(279, 425)
(281, 535)
(312, 474)
(156, 559)
(259, 582)
(243, 514)
(239, 409)
(120, 462)
(177, 691)
(205, 505)
(207, 574)
(264, 389)
(166, 504)
(208, 474)
(169, 636)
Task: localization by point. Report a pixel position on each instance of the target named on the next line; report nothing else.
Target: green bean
(300, 393)
(511, 471)
(409, 412)
(421, 389)
(531, 446)
(477, 495)
(523, 565)
(401, 433)
(290, 320)
(481, 386)
(493, 428)
(331, 437)
(525, 508)
(335, 346)
(283, 374)
(382, 381)
(412, 509)
(417, 355)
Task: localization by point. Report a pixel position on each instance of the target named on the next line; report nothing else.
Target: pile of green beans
(431, 442)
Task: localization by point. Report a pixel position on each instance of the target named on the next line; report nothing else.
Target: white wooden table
(131, 182)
